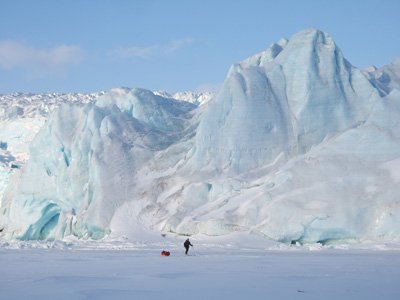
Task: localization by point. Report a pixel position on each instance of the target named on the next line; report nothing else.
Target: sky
(94, 45)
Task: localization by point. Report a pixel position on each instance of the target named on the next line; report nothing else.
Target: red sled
(165, 253)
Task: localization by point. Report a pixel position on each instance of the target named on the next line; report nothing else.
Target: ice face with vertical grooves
(284, 100)
(88, 171)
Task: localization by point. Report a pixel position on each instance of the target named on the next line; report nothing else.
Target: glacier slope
(298, 146)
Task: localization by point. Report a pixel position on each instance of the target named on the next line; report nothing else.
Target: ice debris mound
(297, 146)
(22, 105)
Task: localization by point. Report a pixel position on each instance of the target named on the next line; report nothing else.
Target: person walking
(187, 244)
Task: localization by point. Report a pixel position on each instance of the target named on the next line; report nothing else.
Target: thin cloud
(151, 51)
(38, 61)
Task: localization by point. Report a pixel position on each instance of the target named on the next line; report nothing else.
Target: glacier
(87, 170)
(298, 146)
(283, 101)
(386, 78)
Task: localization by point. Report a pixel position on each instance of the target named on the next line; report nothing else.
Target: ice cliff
(283, 101)
(83, 163)
(298, 145)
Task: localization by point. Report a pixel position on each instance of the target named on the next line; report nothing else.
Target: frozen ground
(121, 270)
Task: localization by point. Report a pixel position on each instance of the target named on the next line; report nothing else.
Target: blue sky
(93, 45)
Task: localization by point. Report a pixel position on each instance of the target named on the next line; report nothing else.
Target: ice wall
(282, 101)
(83, 164)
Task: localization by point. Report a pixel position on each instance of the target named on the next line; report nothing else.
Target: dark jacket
(187, 244)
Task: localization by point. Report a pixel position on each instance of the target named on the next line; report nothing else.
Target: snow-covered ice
(386, 78)
(222, 270)
(198, 98)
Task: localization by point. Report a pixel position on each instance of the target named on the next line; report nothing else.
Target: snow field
(208, 273)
